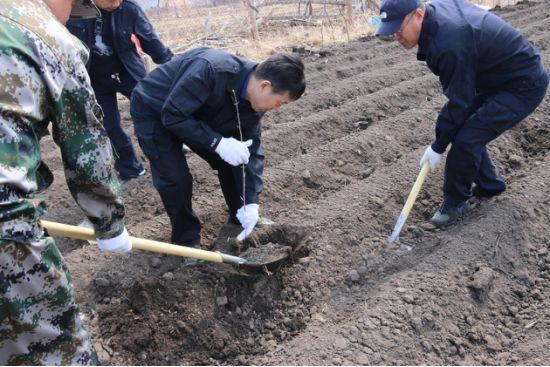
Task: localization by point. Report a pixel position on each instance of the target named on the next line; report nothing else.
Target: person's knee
(463, 148)
(175, 183)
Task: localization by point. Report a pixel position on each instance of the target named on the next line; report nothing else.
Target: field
(340, 163)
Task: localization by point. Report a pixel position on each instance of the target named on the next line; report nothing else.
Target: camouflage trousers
(39, 319)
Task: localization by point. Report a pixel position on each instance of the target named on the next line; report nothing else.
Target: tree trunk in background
(253, 24)
(349, 12)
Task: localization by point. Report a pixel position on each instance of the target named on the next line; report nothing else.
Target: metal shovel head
(399, 242)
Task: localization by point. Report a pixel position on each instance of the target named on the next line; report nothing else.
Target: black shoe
(448, 214)
(478, 192)
(126, 179)
(190, 261)
(233, 220)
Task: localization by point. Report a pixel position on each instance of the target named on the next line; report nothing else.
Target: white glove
(248, 216)
(432, 157)
(120, 243)
(233, 151)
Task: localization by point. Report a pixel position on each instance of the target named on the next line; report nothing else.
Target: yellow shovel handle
(416, 189)
(65, 230)
(409, 203)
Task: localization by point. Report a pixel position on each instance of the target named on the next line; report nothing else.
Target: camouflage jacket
(43, 79)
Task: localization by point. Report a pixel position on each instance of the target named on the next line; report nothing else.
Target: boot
(448, 214)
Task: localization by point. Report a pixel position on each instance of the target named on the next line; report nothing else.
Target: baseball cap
(392, 13)
(84, 9)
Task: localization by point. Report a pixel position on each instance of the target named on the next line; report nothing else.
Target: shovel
(260, 262)
(394, 237)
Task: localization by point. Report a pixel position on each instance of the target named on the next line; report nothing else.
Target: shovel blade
(404, 245)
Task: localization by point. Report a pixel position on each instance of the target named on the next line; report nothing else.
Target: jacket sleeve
(189, 92)
(457, 75)
(87, 155)
(150, 42)
(254, 170)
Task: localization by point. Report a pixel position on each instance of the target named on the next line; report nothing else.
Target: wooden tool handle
(416, 189)
(409, 203)
(65, 230)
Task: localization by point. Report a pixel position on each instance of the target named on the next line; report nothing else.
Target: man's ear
(264, 84)
(420, 13)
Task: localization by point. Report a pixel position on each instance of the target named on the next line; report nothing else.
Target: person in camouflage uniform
(44, 80)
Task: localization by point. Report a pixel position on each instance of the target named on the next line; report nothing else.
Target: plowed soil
(340, 163)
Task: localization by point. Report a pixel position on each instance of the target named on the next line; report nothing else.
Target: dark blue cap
(392, 13)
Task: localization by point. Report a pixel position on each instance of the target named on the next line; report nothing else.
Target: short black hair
(285, 71)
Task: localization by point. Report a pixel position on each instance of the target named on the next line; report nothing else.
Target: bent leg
(174, 183)
(231, 189)
(127, 162)
(468, 159)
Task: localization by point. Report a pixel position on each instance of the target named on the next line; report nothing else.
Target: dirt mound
(340, 163)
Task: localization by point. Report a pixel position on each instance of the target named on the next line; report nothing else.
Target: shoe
(481, 193)
(125, 179)
(189, 261)
(233, 220)
(448, 214)
(185, 149)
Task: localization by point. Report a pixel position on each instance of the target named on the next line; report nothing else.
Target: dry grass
(222, 27)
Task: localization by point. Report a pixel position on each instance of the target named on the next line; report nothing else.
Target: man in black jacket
(115, 66)
(491, 74)
(211, 101)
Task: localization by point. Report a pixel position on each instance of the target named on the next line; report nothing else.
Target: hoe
(258, 260)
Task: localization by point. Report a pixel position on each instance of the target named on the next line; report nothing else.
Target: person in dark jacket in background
(115, 66)
(492, 76)
(211, 101)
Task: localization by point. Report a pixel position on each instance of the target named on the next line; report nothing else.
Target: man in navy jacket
(492, 76)
(115, 66)
(211, 101)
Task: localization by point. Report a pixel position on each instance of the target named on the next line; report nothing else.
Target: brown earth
(340, 164)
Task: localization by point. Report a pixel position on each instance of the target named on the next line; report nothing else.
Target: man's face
(262, 99)
(409, 33)
(108, 5)
(61, 9)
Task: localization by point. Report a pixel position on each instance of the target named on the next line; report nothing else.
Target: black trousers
(127, 163)
(174, 182)
(494, 113)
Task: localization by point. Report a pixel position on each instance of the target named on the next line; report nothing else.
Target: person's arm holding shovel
(458, 84)
(89, 166)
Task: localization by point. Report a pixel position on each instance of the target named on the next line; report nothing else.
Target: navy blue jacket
(472, 51)
(126, 20)
(193, 97)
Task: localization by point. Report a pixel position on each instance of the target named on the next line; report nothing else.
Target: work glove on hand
(233, 151)
(120, 243)
(432, 157)
(248, 216)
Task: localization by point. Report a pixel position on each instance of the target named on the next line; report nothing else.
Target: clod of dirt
(515, 160)
(481, 284)
(354, 276)
(221, 301)
(266, 254)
